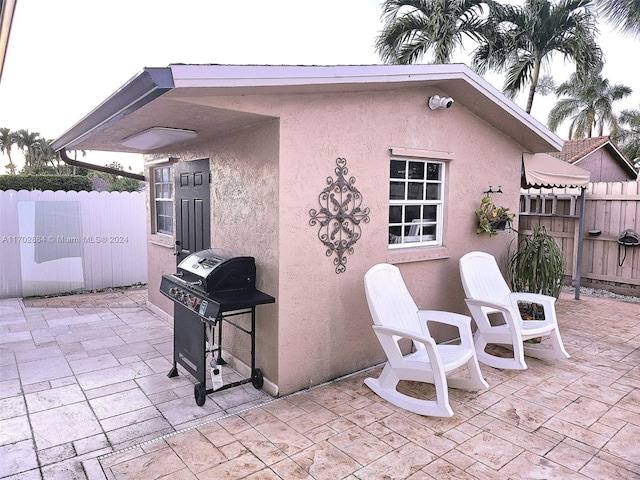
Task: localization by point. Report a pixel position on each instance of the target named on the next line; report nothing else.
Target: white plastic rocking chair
(396, 316)
(488, 293)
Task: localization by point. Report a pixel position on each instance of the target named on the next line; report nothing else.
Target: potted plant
(537, 266)
(492, 218)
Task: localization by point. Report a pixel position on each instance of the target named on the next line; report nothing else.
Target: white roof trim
(256, 76)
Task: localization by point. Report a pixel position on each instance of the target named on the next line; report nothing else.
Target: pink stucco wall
(268, 177)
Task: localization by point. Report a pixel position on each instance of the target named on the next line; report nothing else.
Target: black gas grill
(210, 288)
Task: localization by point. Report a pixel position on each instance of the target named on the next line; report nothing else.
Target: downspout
(7, 11)
(576, 283)
(99, 168)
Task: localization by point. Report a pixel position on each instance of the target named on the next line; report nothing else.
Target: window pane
(165, 174)
(395, 214)
(411, 213)
(433, 171)
(397, 169)
(412, 234)
(394, 234)
(430, 212)
(428, 233)
(157, 175)
(415, 191)
(416, 170)
(433, 191)
(429, 230)
(396, 191)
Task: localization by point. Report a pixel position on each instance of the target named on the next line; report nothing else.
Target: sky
(65, 57)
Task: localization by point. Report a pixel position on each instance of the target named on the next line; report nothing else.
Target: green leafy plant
(45, 182)
(492, 218)
(538, 265)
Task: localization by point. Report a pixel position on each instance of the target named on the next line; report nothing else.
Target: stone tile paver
(79, 404)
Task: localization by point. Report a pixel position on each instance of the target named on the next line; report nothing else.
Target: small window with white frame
(416, 202)
(163, 200)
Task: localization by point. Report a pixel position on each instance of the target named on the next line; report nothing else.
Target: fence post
(583, 197)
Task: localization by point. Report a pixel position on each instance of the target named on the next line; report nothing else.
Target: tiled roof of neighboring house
(575, 150)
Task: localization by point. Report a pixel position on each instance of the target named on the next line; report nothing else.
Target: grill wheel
(258, 379)
(200, 392)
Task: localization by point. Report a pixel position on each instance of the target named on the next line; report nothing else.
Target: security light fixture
(157, 137)
(436, 102)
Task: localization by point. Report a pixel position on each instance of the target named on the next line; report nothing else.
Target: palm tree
(27, 142)
(523, 39)
(589, 102)
(629, 138)
(45, 155)
(414, 27)
(624, 14)
(7, 141)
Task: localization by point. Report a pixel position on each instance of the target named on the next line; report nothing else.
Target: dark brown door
(193, 229)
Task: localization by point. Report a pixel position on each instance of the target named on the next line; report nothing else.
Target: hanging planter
(498, 225)
(491, 218)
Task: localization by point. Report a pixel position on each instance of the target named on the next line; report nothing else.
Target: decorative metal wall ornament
(340, 215)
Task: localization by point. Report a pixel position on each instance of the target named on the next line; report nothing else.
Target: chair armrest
(510, 315)
(450, 318)
(462, 322)
(485, 303)
(547, 302)
(399, 332)
(533, 298)
(388, 337)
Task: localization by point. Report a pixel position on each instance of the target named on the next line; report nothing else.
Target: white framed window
(416, 202)
(163, 200)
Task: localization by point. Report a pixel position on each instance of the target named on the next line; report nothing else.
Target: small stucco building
(273, 138)
(600, 156)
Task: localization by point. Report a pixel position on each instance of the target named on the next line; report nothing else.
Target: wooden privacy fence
(59, 242)
(611, 208)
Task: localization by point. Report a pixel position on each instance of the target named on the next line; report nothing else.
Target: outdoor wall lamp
(157, 137)
(436, 102)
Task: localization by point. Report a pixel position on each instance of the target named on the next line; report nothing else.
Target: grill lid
(201, 263)
(216, 270)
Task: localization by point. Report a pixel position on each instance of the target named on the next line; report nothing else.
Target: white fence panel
(58, 242)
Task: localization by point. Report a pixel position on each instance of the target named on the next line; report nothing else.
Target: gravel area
(592, 292)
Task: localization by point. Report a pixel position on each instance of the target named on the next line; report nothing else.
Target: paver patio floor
(84, 394)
